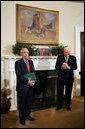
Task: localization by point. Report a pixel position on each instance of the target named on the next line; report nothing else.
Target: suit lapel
(63, 59)
(69, 60)
(24, 65)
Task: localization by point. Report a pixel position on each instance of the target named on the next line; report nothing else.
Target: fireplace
(45, 89)
(44, 93)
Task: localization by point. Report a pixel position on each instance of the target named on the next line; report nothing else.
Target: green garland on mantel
(55, 50)
(17, 47)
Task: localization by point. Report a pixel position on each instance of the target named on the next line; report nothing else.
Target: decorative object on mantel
(43, 52)
(57, 50)
(17, 47)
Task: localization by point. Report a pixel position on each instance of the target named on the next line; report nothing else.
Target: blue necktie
(66, 59)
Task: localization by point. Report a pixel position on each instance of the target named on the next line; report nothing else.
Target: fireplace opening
(45, 89)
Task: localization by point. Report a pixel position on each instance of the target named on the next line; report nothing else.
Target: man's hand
(65, 66)
(31, 83)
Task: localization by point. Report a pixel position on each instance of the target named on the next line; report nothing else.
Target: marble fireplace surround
(40, 63)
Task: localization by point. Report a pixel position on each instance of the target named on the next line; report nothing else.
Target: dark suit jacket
(66, 74)
(21, 69)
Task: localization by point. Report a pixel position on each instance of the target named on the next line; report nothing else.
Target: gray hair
(24, 48)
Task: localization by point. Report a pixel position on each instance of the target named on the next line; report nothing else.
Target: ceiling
(77, 1)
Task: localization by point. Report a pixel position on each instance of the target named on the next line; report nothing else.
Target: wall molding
(78, 30)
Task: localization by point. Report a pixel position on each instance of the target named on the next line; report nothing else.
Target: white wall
(71, 14)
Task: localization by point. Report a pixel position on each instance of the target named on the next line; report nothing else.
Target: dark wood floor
(49, 118)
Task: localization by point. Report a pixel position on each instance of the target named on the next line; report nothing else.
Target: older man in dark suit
(65, 65)
(24, 87)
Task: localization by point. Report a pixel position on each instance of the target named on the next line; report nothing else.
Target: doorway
(78, 81)
(82, 62)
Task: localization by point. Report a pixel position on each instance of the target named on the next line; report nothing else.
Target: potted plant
(5, 101)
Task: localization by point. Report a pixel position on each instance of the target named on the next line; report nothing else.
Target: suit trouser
(60, 93)
(25, 101)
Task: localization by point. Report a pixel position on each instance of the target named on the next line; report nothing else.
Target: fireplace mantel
(40, 63)
(32, 57)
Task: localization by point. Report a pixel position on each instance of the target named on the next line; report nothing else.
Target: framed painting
(37, 26)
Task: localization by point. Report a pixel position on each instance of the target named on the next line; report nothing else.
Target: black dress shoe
(58, 108)
(68, 108)
(30, 118)
(22, 122)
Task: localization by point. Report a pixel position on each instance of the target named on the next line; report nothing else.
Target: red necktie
(27, 64)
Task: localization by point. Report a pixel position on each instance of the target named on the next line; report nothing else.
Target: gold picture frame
(37, 26)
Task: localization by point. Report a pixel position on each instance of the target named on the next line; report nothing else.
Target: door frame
(78, 31)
